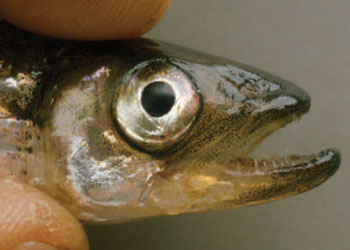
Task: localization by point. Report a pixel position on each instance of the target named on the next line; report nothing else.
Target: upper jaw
(266, 113)
(284, 101)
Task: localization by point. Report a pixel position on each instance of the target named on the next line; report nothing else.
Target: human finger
(85, 19)
(31, 220)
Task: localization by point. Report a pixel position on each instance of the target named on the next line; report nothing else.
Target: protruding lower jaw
(242, 182)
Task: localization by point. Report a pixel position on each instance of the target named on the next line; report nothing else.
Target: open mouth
(287, 175)
(274, 178)
(248, 181)
(231, 179)
(243, 181)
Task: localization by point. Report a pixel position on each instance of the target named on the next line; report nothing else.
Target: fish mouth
(280, 177)
(243, 182)
(256, 181)
(231, 179)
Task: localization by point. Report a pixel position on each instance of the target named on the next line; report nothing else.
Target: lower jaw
(247, 182)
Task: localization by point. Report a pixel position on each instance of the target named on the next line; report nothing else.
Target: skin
(55, 20)
(76, 107)
(83, 19)
(36, 217)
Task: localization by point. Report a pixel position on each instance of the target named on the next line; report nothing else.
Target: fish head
(169, 132)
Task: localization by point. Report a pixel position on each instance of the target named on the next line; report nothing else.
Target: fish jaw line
(277, 178)
(241, 182)
(200, 186)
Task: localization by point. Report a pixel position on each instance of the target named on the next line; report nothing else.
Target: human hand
(29, 219)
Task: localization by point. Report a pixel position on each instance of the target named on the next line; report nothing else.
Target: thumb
(85, 19)
(31, 220)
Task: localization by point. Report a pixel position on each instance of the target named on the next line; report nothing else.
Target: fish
(129, 129)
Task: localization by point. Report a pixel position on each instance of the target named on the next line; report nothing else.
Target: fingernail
(34, 245)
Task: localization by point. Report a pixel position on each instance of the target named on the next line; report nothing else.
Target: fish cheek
(213, 125)
(112, 171)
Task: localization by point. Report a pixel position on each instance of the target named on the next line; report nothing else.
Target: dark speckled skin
(58, 130)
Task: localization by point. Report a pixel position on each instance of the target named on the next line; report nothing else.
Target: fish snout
(285, 100)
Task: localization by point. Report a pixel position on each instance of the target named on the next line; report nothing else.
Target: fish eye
(155, 105)
(158, 98)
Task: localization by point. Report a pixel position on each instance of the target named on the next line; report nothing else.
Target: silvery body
(122, 130)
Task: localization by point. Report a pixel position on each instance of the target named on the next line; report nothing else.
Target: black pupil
(158, 98)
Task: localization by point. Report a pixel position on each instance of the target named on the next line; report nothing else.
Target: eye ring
(155, 128)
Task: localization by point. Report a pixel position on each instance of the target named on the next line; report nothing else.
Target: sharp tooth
(274, 164)
(256, 165)
(265, 165)
(238, 167)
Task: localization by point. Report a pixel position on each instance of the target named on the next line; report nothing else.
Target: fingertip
(85, 19)
(32, 245)
(28, 215)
